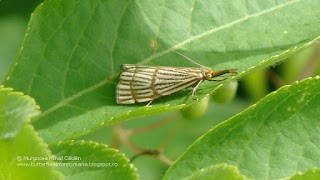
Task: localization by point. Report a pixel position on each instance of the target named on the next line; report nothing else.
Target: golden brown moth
(139, 83)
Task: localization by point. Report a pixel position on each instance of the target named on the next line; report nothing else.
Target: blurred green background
(14, 16)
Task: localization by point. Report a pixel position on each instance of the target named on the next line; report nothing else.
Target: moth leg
(195, 90)
(149, 103)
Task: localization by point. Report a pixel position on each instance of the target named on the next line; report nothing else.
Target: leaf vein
(45, 47)
(228, 25)
(116, 36)
(74, 49)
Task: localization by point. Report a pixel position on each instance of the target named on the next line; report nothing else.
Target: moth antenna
(190, 59)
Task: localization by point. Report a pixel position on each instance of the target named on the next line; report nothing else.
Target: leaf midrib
(156, 55)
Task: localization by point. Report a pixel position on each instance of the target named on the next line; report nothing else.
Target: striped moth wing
(145, 83)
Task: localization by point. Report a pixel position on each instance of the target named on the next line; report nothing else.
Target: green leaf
(274, 139)
(19, 143)
(219, 171)
(94, 161)
(70, 57)
(311, 174)
(15, 110)
(24, 156)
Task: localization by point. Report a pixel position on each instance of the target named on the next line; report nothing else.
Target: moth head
(208, 74)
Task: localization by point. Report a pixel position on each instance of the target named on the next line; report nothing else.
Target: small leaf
(26, 156)
(20, 146)
(94, 161)
(274, 139)
(15, 110)
(70, 57)
(219, 171)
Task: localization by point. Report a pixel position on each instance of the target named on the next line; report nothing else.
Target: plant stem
(153, 126)
(275, 79)
(116, 134)
(313, 63)
(122, 135)
(169, 137)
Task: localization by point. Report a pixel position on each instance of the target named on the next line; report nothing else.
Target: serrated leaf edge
(32, 103)
(45, 148)
(102, 147)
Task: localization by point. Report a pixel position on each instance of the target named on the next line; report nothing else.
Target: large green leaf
(69, 60)
(274, 139)
(92, 161)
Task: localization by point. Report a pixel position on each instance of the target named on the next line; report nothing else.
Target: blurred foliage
(225, 93)
(260, 83)
(256, 84)
(18, 7)
(12, 29)
(303, 65)
(14, 15)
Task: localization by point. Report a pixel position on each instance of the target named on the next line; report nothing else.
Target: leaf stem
(153, 126)
(275, 79)
(169, 137)
(116, 140)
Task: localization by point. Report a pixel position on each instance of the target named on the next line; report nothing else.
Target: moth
(140, 83)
